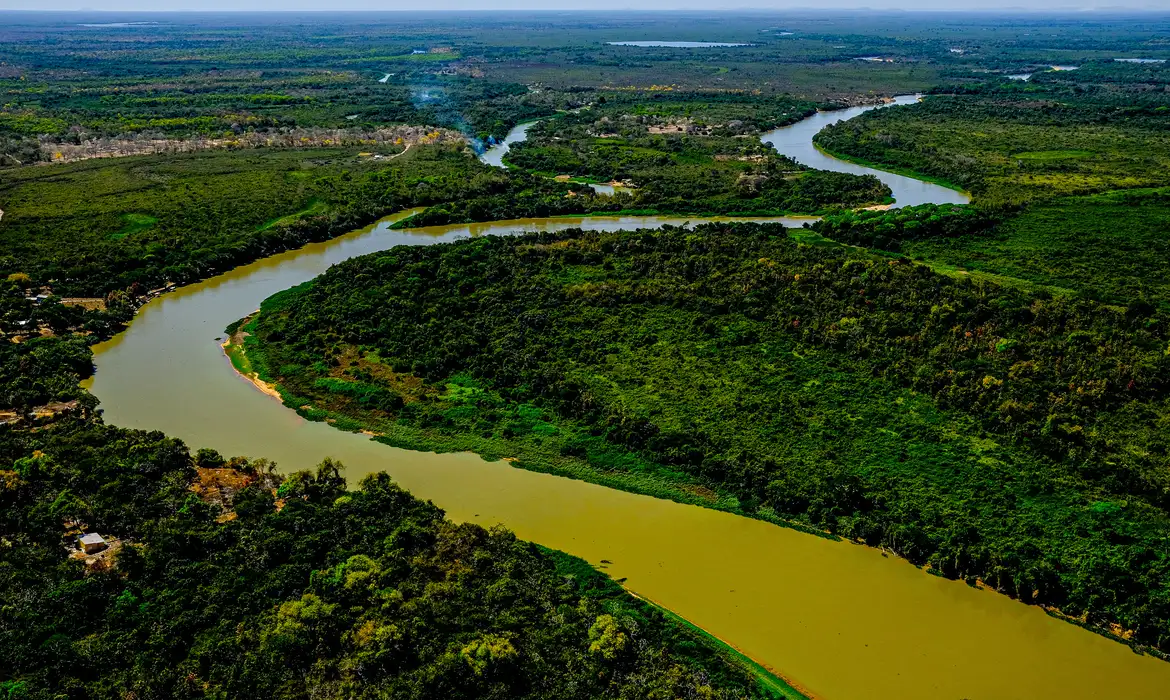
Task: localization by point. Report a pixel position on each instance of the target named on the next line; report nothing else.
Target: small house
(92, 543)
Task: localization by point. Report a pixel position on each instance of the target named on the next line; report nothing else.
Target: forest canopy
(222, 579)
(989, 432)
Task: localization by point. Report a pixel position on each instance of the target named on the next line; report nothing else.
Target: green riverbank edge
(247, 359)
(406, 224)
(768, 679)
(905, 172)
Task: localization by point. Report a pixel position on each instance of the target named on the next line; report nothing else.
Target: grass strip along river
(840, 620)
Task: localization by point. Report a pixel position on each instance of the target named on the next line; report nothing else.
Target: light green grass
(316, 206)
(134, 223)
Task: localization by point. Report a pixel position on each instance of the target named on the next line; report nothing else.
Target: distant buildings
(92, 543)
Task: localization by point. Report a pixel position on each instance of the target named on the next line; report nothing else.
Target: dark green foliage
(19, 150)
(1013, 142)
(716, 164)
(36, 370)
(890, 229)
(1112, 246)
(981, 430)
(211, 211)
(366, 593)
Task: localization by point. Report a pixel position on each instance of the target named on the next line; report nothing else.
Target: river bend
(838, 619)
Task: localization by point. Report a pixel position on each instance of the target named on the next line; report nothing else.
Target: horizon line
(614, 10)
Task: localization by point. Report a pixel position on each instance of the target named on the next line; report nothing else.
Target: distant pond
(675, 44)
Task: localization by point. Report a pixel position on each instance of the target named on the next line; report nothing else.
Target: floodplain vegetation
(996, 414)
(690, 152)
(998, 435)
(227, 579)
(223, 579)
(1073, 165)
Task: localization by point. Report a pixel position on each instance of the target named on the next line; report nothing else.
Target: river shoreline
(801, 603)
(237, 355)
(517, 455)
(252, 369)
(524, 456)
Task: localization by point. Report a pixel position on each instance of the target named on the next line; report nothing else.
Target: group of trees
(989, 432)
(53, 353)
(889, 229)
(690, 153)
(308, 590)
(1012, 142)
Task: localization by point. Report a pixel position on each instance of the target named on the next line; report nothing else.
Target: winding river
(495, 154)
(838, 619)
(796, 142)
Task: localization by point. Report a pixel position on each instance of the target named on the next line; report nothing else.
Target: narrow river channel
(838, 619)
(796, 142)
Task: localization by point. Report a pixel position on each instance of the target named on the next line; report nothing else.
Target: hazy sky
(334, 5)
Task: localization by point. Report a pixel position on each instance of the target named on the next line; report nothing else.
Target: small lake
(100, 25)
(676, 44)
(1140, 60)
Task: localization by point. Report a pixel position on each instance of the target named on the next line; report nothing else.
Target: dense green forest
(44, 347)
(1069, 170)
(299, 588)
(984, 431)
(984, 389)
(135, 223)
